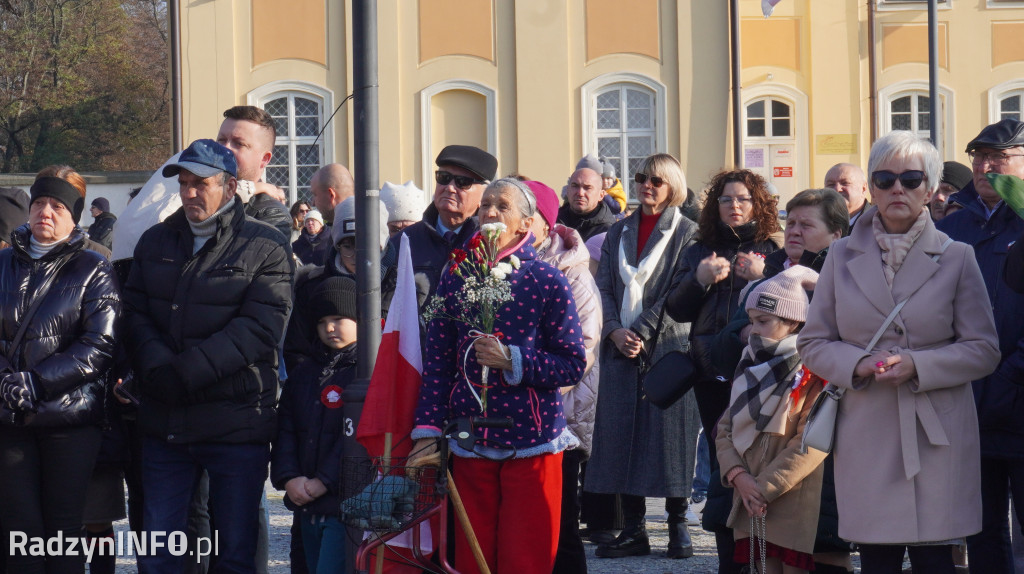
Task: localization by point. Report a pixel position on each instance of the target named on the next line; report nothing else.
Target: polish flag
(390, 408)
(768, 6)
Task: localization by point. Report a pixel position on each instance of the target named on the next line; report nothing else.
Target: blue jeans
(323, 537)
(237, 473)
(702, 473)
(989, 551)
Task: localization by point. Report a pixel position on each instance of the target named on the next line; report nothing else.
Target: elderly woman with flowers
(504, 337)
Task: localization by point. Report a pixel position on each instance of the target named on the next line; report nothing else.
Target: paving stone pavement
(704, 560)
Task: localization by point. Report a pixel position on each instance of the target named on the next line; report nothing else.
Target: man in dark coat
(249, 132)
(462, 173)
(102, 229)
(583, 209)
(208, 296)
(992, 227)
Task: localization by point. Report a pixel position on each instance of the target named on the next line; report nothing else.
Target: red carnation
(474, 243)
(458, 256)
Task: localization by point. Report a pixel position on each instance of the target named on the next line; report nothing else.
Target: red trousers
(514, 508)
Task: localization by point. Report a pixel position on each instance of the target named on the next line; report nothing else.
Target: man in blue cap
(207, 300)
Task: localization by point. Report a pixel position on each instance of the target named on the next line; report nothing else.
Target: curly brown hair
(765, 212)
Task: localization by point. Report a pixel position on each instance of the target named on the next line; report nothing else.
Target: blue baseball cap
(205, 158)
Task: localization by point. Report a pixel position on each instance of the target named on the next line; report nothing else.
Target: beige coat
(789, 481)
(906, 458)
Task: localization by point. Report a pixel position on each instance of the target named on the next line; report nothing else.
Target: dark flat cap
(956, 174)
(1003, 134)
(13, 211)
(476, 160)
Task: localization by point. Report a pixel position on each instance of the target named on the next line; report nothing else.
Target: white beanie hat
(315, 214)
(345, 221)
(405, 202)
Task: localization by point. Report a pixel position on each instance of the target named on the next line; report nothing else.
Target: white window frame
(997, 93)
(278, 89)
(918, 87)
(903, 5)
(800, 124)
(791, 138)
(1003, 4)
(426, 96)
(588, 113)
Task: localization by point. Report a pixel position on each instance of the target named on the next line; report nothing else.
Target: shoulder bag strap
(895, 311)
(37, 300)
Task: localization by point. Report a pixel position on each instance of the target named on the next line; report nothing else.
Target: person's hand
(712, 269)
(315, 488)
(746, 485)
(490, 352)
(873, 365)
(897, 370)
(271, 190)
(627, 342)
(18, 391)
(296, 491)
(422, 448)
(749, 266)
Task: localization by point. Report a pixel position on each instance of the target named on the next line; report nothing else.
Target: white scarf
(635, 278)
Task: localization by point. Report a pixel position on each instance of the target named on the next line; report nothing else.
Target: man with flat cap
(462, 174)
(990, 226)
(207, 300)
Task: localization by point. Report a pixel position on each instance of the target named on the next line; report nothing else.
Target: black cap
(956, 174)
(101, 203)
(1003, 134)
(335, 296)
(13, 211)
(476, 160)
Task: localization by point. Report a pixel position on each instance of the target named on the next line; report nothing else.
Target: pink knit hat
(784, 295)
(547, 201)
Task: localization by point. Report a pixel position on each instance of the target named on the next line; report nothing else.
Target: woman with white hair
(901, 322)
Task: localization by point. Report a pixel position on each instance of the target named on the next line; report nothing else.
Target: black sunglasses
(642, 178)
(885, 179)
(462, 182)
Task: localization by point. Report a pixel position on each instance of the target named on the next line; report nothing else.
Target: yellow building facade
(540, 83)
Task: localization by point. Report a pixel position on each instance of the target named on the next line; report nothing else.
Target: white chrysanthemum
(515, 261)
(505, 268)
(497, 273)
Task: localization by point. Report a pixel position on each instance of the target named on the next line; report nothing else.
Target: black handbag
(665, 381)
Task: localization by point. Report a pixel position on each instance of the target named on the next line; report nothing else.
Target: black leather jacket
(70, 339)
(216, 317)
(262, 207)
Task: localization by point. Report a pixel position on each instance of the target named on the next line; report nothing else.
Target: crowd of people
(216, 355)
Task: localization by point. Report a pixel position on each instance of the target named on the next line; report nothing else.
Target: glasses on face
(885, 179)
(993, 157)
(739, 200)
(346, 249)
(642, 178)
(303, 211)
(462, 182)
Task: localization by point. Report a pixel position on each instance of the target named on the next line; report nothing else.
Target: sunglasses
(462, 182)
(885, 179)
(642, 178)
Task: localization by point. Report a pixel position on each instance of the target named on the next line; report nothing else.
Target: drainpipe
(737, 117)
(933, 72)
(872, 80)
(177, 133)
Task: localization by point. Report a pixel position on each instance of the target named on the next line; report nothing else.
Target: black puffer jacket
(262, 207)
(70, 339)
(102, 229)
(216, 317)
(709, 310)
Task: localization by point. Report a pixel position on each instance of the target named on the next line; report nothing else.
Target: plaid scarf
(760, 391)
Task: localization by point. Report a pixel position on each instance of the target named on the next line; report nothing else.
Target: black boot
(679, 545)
(633, 540)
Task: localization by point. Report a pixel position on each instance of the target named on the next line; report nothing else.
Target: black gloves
(165, 385)
(18, 391)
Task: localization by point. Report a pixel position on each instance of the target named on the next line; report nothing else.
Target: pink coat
(906, 458)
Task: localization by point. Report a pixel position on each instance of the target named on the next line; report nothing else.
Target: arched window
(905, 106)
(624, 122)
(1006, 101)
(300, 150)
(911, 113)
(769, 118)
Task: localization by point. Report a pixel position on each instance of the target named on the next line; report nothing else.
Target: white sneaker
(691, 517)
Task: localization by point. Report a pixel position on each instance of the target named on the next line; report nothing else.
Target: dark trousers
(236, 473)
(570, 558)
(634, 509)
(888, 559)
(44, 473)
(989, 551)
(712, 400)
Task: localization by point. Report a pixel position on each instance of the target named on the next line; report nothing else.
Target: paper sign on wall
(753, 157)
